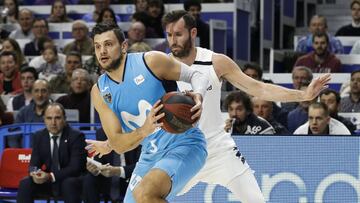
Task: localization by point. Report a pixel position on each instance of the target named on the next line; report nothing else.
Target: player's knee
(142, 193)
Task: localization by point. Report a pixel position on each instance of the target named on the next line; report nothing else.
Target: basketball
(176, 106)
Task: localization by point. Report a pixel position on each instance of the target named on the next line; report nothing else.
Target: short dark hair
(321, 34)
(42, 41)
(189, 3)
(108, 26)
(331, 91)
(29, 69)
(354, 2)
(319, 105)
(75, 53)
(239, 96)
(9, 53)
(253, 67)
(56, 104)
(176, 15)
(42, 19)
(354, 72)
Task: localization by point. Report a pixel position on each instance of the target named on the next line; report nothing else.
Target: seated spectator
(141, 5)
(320, 123)
(332, 99)
(82, 42)
(57, 160)
(264, 109)
(299, 115)
(352, 29)
(52, 66)
(58, 13)
(61, 83)
(351, 103)
(107, 15)
(40, 28)
(45, 43)
(112, 177)
(79, 98)
(32, 113)
(6, 118)
(136, 33)
(28, 76)
(194, 8)
(300, 75)
(253, 71)
(12, 13)
(99, 6)
(12, 45)
(139, 47)
(155, 12)
(10, 82)
(318, 24)
(242, 119)
(320, 60)
(26, 18)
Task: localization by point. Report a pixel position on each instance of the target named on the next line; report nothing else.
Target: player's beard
(185, 49)
(115, 64)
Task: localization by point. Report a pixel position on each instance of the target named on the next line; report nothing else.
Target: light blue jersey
(131, 100)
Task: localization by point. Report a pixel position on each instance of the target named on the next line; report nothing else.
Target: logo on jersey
(135, 121)
(107, 97)
(105, 88)
(139, 79)
(209, 88)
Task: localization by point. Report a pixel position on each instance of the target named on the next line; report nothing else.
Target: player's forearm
(272, 92)
(123, 142)
(198, 80)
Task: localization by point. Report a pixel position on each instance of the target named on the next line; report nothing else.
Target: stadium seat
(13, 167)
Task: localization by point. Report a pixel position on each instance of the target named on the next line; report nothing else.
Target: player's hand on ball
(197, 108)
(98, 147)
(151, 122)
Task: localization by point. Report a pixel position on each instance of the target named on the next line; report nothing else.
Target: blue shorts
(181, 163)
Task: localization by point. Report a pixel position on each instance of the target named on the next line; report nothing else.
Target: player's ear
(193, 32)
(124, 46)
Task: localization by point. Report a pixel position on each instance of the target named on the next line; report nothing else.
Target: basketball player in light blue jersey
(127, 100)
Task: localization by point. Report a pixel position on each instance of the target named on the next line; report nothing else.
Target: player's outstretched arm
(230, 71)
(117, 140)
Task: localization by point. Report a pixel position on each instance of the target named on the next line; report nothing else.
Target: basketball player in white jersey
(225, 165)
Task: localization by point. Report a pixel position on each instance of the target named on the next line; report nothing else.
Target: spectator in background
(136, 33)
(107, 14)
(194, 8)
(28, 76)
(320, 122)
(12, 45)
(79, 98)
(40, 28)
(331, 99)
(45, 43)
(351, 103)
(6, 118)
(58, 13)
(82, 42)
(13, 12)
(352, 29)
(300, 75)
(99, 6)
(32, 113)
(299, 115)
(26, 18)
(155, 12)
(320, 60)
(112, 177)
(318, 24)
(242, 119)
(139, 47)
(58, 157)
(253, 71)
(52, 66)
(141, 5)
(264, 109)
(61, 83)
(10, 82)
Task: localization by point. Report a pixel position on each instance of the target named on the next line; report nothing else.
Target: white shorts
(223, 164)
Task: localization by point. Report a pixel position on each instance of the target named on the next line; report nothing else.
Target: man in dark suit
(112, 177)
(57, 160)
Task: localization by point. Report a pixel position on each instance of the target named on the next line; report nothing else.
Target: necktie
(55, 155)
